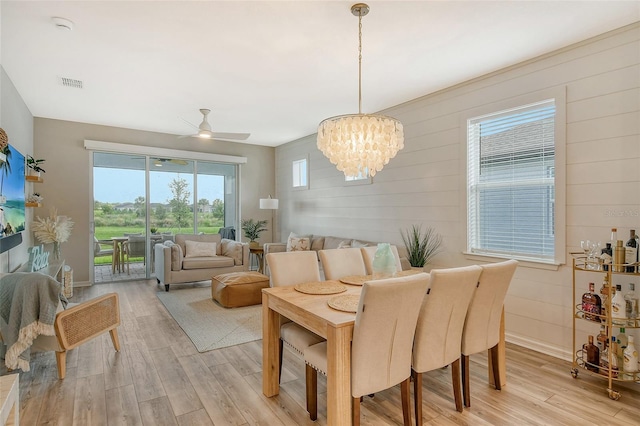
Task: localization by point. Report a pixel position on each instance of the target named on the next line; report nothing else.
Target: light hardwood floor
(159, 378)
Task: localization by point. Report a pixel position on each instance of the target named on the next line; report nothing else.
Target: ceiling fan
(204, 131)
(158, 162)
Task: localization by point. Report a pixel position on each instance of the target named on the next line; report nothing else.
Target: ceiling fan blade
(230, 136)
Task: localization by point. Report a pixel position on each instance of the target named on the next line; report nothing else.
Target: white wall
(422, 185)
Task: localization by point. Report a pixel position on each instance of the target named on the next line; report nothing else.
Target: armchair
(33, 319)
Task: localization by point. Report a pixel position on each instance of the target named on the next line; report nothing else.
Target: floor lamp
(270, 204)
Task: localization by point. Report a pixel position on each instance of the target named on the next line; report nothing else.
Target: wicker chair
(81, 323)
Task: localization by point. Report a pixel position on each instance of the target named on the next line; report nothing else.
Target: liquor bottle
(613, 362)
(602, 340)
(618, 307)
(631, 304)
(593, 355)
(618, 257)
(630, 359)
(631, 252)
(606, 255)
(604, 291)
(591, 304)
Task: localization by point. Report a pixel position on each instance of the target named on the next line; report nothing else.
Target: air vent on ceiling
(71, 82)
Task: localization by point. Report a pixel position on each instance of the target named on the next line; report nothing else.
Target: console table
(55, 269)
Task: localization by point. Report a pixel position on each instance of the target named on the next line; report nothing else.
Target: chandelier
(360, 144)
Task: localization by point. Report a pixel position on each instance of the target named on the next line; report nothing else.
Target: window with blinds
(511, 183)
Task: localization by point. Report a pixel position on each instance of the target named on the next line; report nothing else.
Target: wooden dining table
(312, 312)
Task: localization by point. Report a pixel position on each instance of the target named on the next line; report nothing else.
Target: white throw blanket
(28, 302)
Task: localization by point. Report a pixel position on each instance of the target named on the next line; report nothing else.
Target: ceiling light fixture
(360, 144)
(62, 23)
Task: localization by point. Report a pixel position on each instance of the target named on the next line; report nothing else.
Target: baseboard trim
(81, 284)
(538, 346)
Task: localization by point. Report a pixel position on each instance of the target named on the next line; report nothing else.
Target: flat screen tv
(12, 208)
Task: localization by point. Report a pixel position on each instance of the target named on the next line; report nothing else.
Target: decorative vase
(384, 262)
(56, 251)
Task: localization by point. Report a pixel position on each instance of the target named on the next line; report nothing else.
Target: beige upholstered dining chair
(338, 263)
(482, 325)
(381, 346)
(439, 329)
(287, 269)
(368, 254)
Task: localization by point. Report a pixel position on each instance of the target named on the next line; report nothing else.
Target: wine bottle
(631, 252)
(621, 343)
(613, 364)
(593, 355)
(606, 255)
(618, 307)
(591, 304)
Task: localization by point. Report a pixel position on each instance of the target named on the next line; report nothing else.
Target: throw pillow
(299, 244)
(356, 243)
(176, 257)
(199, 249)
(294, 235)
(232, 249)
(344, 244)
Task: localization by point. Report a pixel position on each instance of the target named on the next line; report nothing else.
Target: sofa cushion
(317, 243)
(199, 249)
(232, 249)
(204, 238)
(334, 242)
(207, 262)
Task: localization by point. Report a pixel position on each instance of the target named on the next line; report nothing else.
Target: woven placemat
(320, 287)
(345, 303)
(356, 279)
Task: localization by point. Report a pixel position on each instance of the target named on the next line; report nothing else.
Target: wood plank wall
(425, 183)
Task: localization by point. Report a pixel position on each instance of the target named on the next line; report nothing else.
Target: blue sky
(119, 186)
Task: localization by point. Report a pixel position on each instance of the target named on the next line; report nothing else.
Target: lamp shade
(269, 203)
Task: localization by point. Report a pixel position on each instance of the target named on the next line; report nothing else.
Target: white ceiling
(274, 69)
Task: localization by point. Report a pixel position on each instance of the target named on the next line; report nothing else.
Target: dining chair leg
(455, 380)
(417, 396)
(311, 377)
(280, 360)
(355, 418)
(495, 366)
(466, 391)
(405, 393)
(61, 361)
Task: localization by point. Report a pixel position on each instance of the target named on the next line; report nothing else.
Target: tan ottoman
(238, 288)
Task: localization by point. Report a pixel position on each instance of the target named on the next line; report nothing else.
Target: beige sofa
(319, 242)
(185, 260)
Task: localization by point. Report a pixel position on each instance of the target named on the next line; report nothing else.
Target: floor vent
(71, 82)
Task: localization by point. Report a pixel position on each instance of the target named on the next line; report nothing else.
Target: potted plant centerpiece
(34, 166)
(252, 230)
(421, 245)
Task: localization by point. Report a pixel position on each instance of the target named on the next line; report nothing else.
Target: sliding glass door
(140, 201)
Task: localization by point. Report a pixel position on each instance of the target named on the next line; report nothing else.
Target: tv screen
(12, 208)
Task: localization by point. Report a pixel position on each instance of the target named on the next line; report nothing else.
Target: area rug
(209, 325)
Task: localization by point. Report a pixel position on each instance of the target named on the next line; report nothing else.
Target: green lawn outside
(106, 232)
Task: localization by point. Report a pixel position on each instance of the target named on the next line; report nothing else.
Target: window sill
(527, 263)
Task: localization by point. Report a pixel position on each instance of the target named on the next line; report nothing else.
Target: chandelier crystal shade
(360, 144)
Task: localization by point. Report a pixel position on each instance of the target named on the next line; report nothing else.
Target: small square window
(300, 173)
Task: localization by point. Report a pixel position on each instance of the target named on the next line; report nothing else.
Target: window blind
(511, 185)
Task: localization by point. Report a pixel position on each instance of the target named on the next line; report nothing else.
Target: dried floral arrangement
(52, 229)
